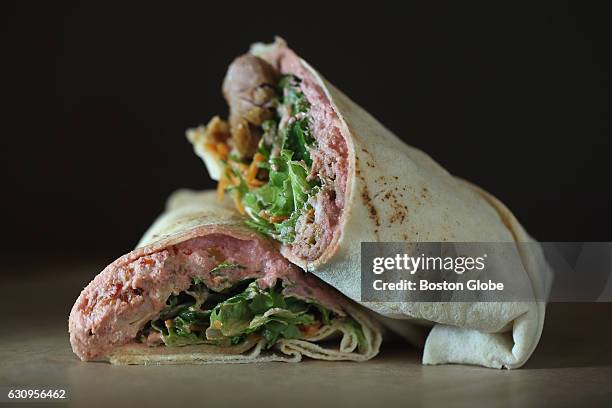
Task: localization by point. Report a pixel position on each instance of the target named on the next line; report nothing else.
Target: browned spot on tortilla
(405, 237)
(424, 192)
(400, 210)
(370, 162)
(367, 201)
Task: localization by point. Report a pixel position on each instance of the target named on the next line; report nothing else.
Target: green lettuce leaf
(285, 195)
(353, 327)
(237, 313)
(267, 311)
(225, 265)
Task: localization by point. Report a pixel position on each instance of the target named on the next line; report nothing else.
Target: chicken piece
(245, 138)
(250, 90)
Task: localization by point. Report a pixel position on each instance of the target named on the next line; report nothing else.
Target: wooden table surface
(572, 364)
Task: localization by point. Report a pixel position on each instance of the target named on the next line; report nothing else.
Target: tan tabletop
(572, 364)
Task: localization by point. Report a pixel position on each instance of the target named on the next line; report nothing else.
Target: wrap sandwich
(308, 167)
(201, 288)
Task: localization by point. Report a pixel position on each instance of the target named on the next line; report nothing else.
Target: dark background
(513, 98)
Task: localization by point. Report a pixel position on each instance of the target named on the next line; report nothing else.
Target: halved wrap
(308, 167)
(201, 287)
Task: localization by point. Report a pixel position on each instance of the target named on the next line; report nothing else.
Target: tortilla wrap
(388, 191)
(112, 311)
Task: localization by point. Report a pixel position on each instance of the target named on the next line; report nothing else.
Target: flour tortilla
(188, 215)
(396, 193)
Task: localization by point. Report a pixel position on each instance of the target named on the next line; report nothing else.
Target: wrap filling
(215, 290)
(280, 154)
(199, 315)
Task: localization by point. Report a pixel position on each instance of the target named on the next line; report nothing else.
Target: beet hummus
(215, 289)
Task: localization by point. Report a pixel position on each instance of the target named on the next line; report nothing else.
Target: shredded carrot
(253, 168)
(218, 149)
(278, 218)
(211, 147)
(256, 183)
(221, 185)
(238, 204)
(222, 150)
(310, 330)
(232, 179)
(272, 218)
(248, 172)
